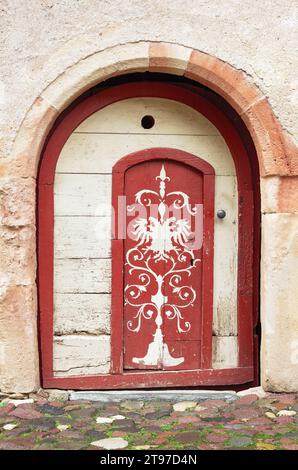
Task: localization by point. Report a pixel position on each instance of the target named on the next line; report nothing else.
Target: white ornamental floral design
(161, 239)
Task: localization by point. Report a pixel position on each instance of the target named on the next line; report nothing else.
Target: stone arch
(277, 154)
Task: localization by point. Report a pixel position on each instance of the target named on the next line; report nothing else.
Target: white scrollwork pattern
(160, 239)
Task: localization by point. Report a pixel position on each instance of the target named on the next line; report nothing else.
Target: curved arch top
(277, 154)
(165, 154)
(103, 98)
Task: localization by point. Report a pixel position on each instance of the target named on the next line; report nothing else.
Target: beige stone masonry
(92, 70)
(17, 206)
(279, 299)
(19, 368)
(276, 152)
(30, 140)
(18, 260)
(168, 58)
(279, 194)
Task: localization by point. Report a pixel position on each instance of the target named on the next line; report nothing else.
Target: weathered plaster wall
(42, 39)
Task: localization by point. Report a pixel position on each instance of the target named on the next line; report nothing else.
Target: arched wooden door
(170, 299)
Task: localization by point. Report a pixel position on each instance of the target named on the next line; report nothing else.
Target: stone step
(150, 395)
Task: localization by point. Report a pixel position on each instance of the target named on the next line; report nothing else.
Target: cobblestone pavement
(248, 422)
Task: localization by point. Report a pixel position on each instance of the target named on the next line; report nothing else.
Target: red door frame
(244, 373)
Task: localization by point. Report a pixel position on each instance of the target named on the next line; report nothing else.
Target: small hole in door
(147, 122)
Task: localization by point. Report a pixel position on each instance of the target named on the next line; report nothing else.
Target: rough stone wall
(40, 39)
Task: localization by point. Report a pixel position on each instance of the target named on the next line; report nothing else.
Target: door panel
(163, 270)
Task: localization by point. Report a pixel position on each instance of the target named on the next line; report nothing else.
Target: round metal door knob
(221, 214)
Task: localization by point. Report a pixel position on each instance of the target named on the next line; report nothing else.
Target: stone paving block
(127, 425)
(157, 414)
(111, 443)
(216, 437)
(291, 447)
(246, 413)
(188, 419)
(4, 410)
(58, 395)
(51, 410)
(11, 446)
(285, 419)
(41, 424)
(265, 446)
(131, 405)
(187, 437)
(24, 412)
(246, 400)
(240, 441)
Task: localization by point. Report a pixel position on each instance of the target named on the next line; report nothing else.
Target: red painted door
(163, 266)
